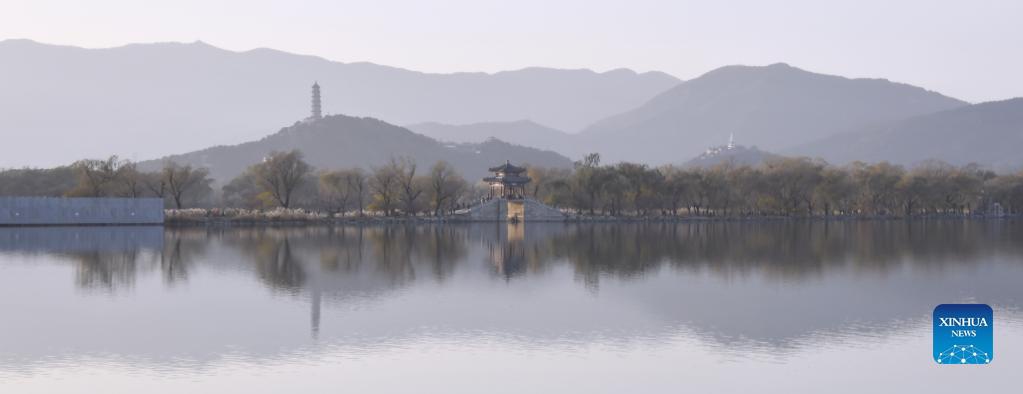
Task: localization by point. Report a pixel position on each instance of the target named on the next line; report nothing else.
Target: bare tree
(130, 179)
(356, 180)
(154, 182)
(411, 186)
(877, 186)
(340, 189)
(95, 177)
(835, 190)
(182, 181)
(544, 182)
(674, 188)
(588, 182)
(280, 174)
(445, 185)
(384, 186)
(244, 192)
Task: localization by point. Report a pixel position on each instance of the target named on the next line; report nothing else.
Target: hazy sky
(972, 50)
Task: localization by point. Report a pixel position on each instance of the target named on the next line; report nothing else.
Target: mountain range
(149, 100)
(784, 110)
(144, 101)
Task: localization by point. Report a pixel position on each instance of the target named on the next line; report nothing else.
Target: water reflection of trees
(786, 249)
(107, 258)
(284, 257)
(790, 250)
(289, 259)
(101, 265)
(338, 264)
(277, 264)
(180, 251)
(105, 270)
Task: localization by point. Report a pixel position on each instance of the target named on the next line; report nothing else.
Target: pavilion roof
(512, 179)
(508, 168)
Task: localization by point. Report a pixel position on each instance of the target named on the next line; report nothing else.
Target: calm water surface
(735, 307)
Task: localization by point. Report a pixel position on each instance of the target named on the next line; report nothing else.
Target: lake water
(644, 308)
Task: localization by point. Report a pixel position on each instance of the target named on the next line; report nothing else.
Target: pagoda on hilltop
(317, 113)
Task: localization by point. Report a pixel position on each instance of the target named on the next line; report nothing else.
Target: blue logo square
(963, 334)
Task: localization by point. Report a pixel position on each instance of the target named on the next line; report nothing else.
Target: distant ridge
(774, 107)
(990, 134)
(148, 100)
(521, 132)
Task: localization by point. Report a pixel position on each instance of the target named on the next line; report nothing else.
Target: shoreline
(224, 222)
(372, 220)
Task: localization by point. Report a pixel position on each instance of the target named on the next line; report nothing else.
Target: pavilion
(507, 182)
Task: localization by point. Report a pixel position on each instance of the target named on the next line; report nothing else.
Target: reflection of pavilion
(508, 251)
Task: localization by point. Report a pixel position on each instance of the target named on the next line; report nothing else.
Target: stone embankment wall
(540, 212)
(528, 210)
(37, 211)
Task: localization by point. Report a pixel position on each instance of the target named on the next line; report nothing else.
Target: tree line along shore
(285, 188)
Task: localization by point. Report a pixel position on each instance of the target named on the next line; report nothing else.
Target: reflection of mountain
(775, 285)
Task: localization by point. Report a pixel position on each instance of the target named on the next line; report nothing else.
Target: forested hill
(339, 141)
(521, 132)
(736, 155)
